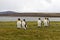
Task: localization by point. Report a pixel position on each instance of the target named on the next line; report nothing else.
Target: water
(6, 18)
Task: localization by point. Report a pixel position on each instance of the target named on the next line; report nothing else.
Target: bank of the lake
(8, 31)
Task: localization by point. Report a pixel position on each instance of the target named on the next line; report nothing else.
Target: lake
(7, 18)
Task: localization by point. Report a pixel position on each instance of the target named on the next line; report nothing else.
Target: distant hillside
(7, 12)
(11, 13)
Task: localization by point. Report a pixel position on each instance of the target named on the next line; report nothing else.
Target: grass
(8, 31)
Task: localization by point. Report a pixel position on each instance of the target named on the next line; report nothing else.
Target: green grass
(8, 31)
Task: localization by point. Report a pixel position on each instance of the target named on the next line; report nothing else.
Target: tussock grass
(8, 31)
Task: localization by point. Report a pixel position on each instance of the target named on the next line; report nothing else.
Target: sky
(30, 5)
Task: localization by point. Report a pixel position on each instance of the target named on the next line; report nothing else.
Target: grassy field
(8, 31)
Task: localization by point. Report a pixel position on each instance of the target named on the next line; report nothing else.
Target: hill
(11, 13)
(7, 12)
